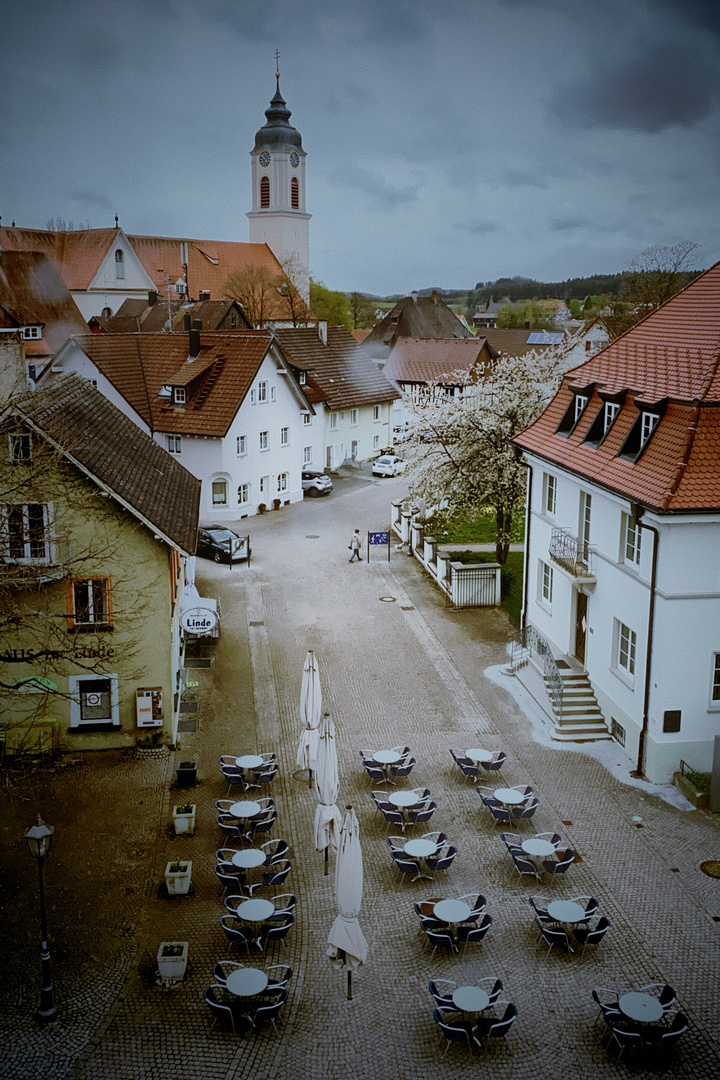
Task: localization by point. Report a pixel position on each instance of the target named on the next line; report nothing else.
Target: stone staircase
(581, 716)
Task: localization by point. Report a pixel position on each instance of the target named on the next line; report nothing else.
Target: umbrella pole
(349, 985)
(326, 862)
(309, 778)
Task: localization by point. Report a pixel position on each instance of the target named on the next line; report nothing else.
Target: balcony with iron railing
(573, 554)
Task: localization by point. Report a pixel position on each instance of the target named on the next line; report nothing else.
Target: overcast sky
(447, 143)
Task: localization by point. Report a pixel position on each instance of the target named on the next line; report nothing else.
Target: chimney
(204, 294)
(434, 296)
(322, 331)
(414, 296)
(186, 321)
(194, 342)
(197, 324)
(152, 297)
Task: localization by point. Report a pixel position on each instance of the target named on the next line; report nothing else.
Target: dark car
(222, 545)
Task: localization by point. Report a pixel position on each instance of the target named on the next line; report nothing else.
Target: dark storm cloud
(662, 87)
(372, 22)
(386, 196)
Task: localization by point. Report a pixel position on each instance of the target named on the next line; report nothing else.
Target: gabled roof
(76, 254)
(343, 375)
(670, 361)
(139, 316)
(140, 365)
(427, 360)
(115, 453)
(414, 317)
(513, 342)
(31, 291)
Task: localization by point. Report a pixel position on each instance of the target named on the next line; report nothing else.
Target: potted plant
(178, 874)
(262, 508)
(187, 774)
(172, 957)
(184, 818)
(276, 503)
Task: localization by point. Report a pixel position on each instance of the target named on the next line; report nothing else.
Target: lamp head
(38, 838)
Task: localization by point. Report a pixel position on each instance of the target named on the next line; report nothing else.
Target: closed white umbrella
(347, 946)
(327, 783)
(310, 711)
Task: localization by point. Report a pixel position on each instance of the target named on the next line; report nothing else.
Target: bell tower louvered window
(295, 193)
(265, 191)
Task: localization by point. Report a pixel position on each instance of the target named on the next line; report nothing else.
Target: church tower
(278, 217)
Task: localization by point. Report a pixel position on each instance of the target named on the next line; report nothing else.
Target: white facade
(356, 434)
(121, 276)
(681, 679)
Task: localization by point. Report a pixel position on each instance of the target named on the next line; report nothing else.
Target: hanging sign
(198, 620)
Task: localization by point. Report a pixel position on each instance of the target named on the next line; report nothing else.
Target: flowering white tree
(462, 452)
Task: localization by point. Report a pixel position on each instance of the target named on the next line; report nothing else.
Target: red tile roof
(426, 360)
(672, 356)
(31, 291)
(140, 365)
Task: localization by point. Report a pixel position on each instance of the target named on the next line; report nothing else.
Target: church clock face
(264, 158)
(294, 160)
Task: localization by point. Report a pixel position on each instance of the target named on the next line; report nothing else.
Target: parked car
(388, 465)
(316, 483)
(222, 545)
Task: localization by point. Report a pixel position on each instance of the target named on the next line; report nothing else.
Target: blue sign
(379, 538)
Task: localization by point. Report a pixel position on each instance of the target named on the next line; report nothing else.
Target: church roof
(343, 375)
(667, 365)
(278, 133)
(114, 452)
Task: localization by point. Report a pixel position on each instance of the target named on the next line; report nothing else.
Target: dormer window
(575, 410)
(119, 265)
(32, 333)
(641, 432)
(302, 378)
(605, 419)
(179, 396)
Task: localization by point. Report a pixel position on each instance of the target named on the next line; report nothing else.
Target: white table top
(248, 858)
(386, 757)
(403, 798)
(246, 981)
(245, 809)
(255, 910)
(566, 911)
(509, 796)
(471, 998)
(420, 848)
(642, 1007)
(534, 846)
(476, 753)
(451, 911)
(249, 761)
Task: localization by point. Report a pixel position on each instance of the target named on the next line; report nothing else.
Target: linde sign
(198, 620)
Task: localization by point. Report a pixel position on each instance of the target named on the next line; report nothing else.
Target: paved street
(393, 671)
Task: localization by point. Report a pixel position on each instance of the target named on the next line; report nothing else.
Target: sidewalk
(401, 670)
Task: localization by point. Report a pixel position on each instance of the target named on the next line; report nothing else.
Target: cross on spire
(277, 64)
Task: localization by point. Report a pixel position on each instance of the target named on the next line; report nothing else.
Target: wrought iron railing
(528, 642)
(571, 552)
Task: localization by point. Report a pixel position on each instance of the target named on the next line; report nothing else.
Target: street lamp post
(38, 838)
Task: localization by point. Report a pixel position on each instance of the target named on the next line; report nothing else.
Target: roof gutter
(637, 512)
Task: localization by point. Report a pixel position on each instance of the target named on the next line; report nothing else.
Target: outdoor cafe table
(403, 799)
(537, 847)
(249, 858)
(385, 758)
(509, 796)
(451, 911)
(470, 998)
(476, 753)
(566, 911)
(249, 761)
(420, 849)
(255, 910)
(643, 1008)
(246, 981)
(245, 809)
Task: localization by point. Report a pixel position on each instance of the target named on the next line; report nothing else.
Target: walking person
(355, 545)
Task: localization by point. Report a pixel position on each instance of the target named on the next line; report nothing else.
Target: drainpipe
(528, 508)
(637, 512)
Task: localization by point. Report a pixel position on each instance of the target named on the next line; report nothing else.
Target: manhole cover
(312, 536)
(711, 867)
(387, 599)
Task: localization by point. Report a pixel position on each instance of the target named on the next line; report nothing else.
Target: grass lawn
(473, 528)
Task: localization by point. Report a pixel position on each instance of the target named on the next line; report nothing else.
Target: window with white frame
(307, 455)
(284, 436)
(585, 516)
(90, 604)
(334, 417)
(241, 445)
(282, 482)
(20, 448)
(715, 682)
(647, 426)
(307, 419)
(376, 442)
(263, 440)
(119, 265)
(580, 403)
(264, 485)
(272, 393)
(244, 494)
(219, 492)
(302, 378)
(376, 412)
(625, 648)
(545, 583)
(610, 411)
(25, 532)
(32, 333)
(354, 417)
(253, 397)
(549, 493)
(262, 391)
(173, 444)
(630, 540)
(179, 396)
